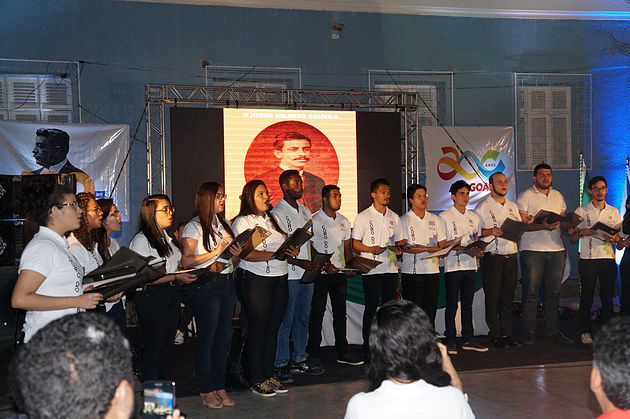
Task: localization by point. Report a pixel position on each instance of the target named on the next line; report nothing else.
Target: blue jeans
(545, 267)
(213, 307)
(295, 324)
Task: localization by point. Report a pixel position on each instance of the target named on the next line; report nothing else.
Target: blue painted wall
(136, 43)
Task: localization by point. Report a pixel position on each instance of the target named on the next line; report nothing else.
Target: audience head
(610, 376)
(78, 366)
(403, 346)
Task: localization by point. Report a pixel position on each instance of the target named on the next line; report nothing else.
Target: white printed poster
(489, 150)
(94, 153)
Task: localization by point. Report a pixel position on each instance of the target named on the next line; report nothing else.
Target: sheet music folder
(296, 239)
(320, 259)
(248, 239)
(124, 271)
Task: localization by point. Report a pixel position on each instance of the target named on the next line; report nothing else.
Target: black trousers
(459, 282)
(375, 287)
(624, 273)
(590, 270)
(422, 289)
(158, 314)
(337, 287)
(266, 298)
(500, 275)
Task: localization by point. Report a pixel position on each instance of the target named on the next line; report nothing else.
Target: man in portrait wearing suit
(294, 152)
(51, 154)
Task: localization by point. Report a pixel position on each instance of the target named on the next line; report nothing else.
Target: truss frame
(159, 96)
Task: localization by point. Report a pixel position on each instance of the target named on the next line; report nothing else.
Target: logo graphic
(455, 163)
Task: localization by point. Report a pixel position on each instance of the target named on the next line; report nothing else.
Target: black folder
(320, 259)
(296, 239)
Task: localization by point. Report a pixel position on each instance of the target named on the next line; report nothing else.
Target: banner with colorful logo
(484, 151)
(93, 153)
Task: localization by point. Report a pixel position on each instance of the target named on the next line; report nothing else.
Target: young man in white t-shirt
(597, 255)
(292, 215)
(460, 268)
(425, 232)
(331, 235)
(542, 256)
(376, 233)
(499, 265)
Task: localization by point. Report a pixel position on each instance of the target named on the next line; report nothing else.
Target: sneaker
(263, 389)
(529, 339)
(512, 342)
(472, 345)
(499, 343)
(276, 386)
(451, 347)
(349, 360)
(305, 368)
(283, 374)
(179, 337)
(586, 338)
(560, 339)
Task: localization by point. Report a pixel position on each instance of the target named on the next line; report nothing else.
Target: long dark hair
(626, 218)
(403, 346)
(148, 224)
(204, 208)
(88, 238)
(37, 197)
(248, 205)
(102, 238)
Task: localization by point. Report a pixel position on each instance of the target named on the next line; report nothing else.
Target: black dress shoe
(499, 343)
(512, 342)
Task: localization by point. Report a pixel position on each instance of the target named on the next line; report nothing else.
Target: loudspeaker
(9, 185)
(11, 241)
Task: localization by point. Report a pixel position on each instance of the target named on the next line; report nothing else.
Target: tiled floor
(550, 391)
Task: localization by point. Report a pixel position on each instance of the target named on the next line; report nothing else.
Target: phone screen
(159, 398)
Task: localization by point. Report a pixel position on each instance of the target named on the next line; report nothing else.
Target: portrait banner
(94, 153)
(489, 150)
(320, 145)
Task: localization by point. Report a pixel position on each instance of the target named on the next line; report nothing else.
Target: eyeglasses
(603, 188)
(166, 210)
(221, 196)
(95, 209)
(420, 196)
(68, 204)
(114, 214)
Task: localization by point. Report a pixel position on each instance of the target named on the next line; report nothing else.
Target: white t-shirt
(493, 214)
(47, 254)
(193, 230)
(272, 267)
(417, 400)
(291, 219)
(140, 244)
(426, 232)
(89, 260)
(531, 201)
(329, 236)
(375, 229)
(457, 225)
(592, 248)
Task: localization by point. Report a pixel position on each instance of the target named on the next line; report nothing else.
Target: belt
(496, 254)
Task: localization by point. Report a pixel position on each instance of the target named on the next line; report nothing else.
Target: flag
(585, 198)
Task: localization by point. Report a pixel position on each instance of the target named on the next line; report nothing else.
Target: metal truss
(160, 96)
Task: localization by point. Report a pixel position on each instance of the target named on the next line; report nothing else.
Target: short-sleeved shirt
(466, 225)
(426, 232)
(329, 236)
(531, 201)
(47, 254)
(270, 244)
(193, 230)
(492, 214)
(140, 244)
(590, 247)
(291, 219)
(89, 260)
(375, 229)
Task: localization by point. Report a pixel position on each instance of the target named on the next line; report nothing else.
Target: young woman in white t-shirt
(158, 305)
(107, 246)
(212, 296)
(50, 279)
(265, 287)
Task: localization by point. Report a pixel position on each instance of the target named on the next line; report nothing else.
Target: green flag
(585, 197)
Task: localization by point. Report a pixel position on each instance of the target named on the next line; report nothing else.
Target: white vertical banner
(489, 149)
(94, 153)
